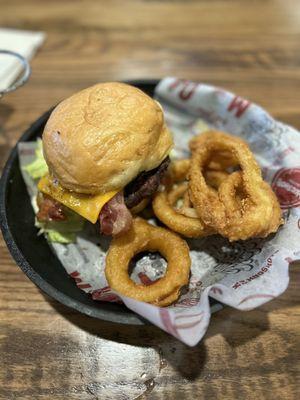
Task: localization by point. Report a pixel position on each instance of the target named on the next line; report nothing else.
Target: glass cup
(23, 75)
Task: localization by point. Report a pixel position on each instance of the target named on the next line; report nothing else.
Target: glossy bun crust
(102, 137)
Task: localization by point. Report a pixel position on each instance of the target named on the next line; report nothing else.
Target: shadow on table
(235, 326)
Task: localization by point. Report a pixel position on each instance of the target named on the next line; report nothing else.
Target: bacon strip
(115, 218)
(49, 209)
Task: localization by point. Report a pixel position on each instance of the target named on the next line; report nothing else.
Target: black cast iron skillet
(32, 253)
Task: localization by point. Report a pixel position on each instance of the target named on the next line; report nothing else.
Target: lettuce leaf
(58, 237)
(55, 231)
(62, 231)
(38, 167)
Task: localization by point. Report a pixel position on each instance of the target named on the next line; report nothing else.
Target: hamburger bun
(101, 138)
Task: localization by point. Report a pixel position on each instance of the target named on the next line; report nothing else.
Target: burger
(106, 148)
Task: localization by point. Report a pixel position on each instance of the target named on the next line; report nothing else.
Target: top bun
(101, 138)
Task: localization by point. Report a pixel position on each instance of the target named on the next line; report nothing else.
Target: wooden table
(49, 351)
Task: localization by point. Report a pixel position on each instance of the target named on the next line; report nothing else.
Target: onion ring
(221, 160)
(242, 206)
(183, 220)
(181, 192)
(186, 201)
(215, 178)
(185, 223)
(167, 300)
(141, 237)
(257, 213)
(177, 172)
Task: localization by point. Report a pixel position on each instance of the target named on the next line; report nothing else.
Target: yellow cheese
(88, 206)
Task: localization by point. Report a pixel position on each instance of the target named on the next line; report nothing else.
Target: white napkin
(25, 43)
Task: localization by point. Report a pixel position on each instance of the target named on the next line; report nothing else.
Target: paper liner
(243, 275)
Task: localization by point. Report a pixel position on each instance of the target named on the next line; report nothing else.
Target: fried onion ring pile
(184, 219)
(142, 237)
(220, 190)
(254, 212)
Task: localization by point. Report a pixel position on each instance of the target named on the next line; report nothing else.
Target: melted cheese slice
(88, 206)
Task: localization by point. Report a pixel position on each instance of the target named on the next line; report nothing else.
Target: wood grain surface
(50, 352)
